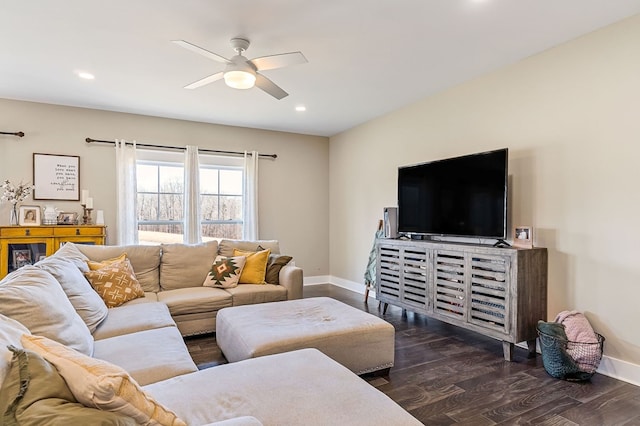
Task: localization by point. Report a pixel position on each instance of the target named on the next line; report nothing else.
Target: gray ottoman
(360, 341)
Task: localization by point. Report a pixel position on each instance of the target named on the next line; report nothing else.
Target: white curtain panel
(126, 197)
(192, 231)
(250, 204)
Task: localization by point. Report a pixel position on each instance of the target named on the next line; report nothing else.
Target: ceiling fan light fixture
(240, 79)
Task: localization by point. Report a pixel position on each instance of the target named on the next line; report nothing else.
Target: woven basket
(573, 361)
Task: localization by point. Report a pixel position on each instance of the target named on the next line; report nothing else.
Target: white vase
(14, 215)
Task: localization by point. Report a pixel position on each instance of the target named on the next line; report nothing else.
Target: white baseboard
(318, 279)
(611, 367)
(619, 369)
(338, 282)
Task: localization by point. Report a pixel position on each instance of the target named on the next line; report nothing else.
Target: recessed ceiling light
(85, 75)
(301, 108)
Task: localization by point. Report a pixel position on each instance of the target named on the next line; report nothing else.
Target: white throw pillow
(10, 333)
(34, 298)
(99, 384)
(82, 296)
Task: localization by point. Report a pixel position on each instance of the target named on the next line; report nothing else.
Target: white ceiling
(366, 57)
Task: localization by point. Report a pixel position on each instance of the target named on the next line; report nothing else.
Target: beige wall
(570, 118)
(293, 200)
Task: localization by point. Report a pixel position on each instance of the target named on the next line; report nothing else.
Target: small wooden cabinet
(499, 292)
(25, 245)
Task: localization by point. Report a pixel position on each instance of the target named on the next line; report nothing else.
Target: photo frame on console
(523, 236)
(29, 216)
(67, 218)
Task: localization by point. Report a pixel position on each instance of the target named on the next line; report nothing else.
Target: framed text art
(56, 177)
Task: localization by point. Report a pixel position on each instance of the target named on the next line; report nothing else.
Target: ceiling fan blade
(278, 61)
(201, 51)
(270, 87)
(213, 77)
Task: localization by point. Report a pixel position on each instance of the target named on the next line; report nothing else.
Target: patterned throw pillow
(256, 267)
(100, 384)
(225, 272)
(116, 283)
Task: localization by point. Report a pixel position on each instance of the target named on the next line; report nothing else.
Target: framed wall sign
(56, 177)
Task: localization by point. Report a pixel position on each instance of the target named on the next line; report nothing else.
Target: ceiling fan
(242, 73)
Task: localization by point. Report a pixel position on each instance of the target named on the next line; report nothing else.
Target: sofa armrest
(291, 278)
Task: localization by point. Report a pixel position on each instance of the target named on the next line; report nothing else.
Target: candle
(84, 196)
(89, 203)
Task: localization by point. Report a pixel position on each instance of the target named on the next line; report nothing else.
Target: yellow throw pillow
(116, 283)
(94, 266)
(100, 384)
(256, 266)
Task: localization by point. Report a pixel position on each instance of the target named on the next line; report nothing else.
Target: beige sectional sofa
(173, 274)
(142, 337)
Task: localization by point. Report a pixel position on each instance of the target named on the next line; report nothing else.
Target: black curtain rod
(180, 148)
(19, 134)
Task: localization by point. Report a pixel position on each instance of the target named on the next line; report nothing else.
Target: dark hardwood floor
(446, 375)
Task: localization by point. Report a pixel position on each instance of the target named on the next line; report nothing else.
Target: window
(160, 198)
(221, 202)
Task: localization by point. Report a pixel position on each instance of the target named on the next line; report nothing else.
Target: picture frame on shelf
(21, 258)
(67, 218)
(56, 177)
(29, 216)
(523, 236)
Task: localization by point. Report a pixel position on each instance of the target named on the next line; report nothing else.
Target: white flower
(15, 194)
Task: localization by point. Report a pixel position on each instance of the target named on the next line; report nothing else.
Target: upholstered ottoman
(360, 341)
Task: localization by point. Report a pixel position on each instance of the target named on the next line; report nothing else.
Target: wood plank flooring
(445, 375)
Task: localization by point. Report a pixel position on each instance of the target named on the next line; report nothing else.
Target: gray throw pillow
(275, 264)
(82, 296)
(35, 299)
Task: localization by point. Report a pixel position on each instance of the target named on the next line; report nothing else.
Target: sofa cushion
(116, 283)
(195, 299)
(149, 297)
(82, 296)
(226, 246)
(186, 265)
(256, 267)
(36, 394)
(34, 298)
(145, 261)
(225, 272)
(237, 421)
(248, 294)
(247, 388)
(131, 318)
(10, 333)
(100, 384)
(148, 356)
(70, 252)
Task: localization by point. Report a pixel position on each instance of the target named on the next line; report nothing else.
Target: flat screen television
(462, 196)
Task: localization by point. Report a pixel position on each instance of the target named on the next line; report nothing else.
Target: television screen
(462, 196)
